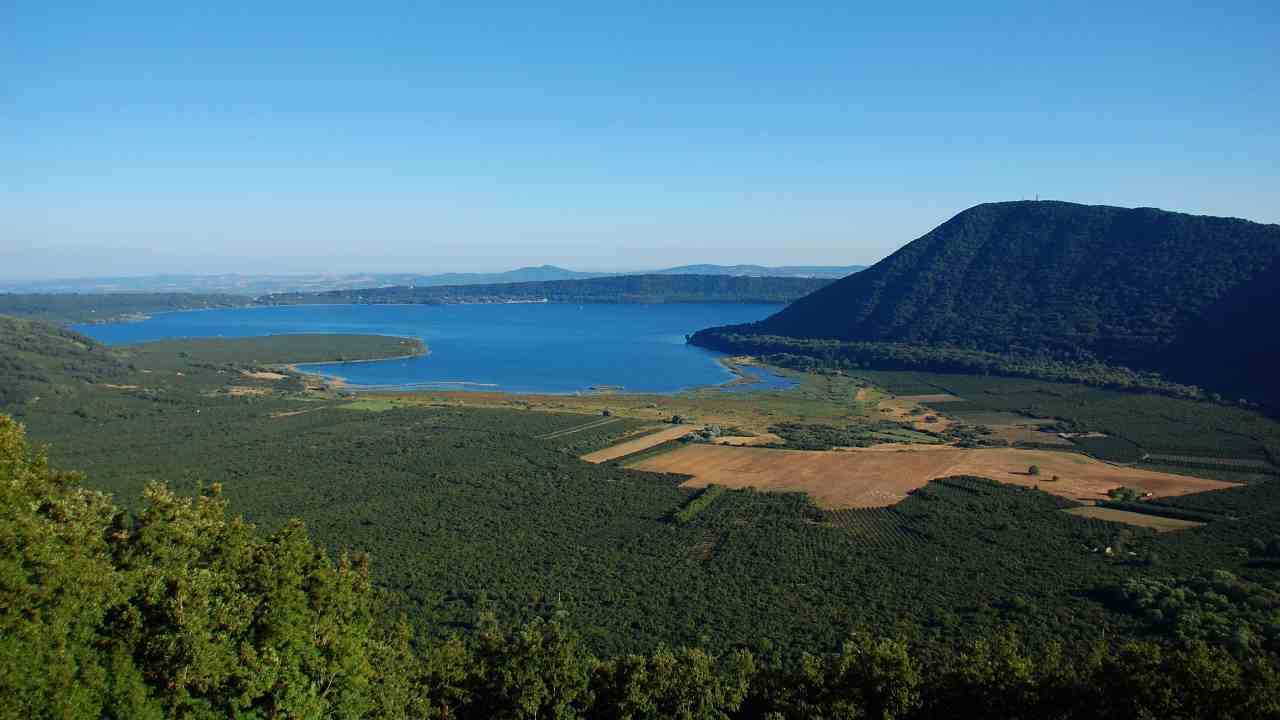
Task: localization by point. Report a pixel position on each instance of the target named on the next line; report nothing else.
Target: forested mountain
(107, 307)
(1057, 280)
(616, 289)
(1236, 337)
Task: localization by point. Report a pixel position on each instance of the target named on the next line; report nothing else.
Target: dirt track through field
(579, 428)
(642, 443)
(880, 476)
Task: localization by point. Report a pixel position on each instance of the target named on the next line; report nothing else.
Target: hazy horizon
(401, 271)
(161, 139)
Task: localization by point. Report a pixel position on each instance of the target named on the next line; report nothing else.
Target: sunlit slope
(1047, 278)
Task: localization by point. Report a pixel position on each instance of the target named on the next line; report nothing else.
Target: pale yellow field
(641, 443)
(881, 476)
(1159, 524)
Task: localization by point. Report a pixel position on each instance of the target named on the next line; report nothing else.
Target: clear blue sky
(304, 136)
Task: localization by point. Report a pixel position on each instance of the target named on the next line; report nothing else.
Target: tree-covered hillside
(1237, 338)
(619, 289)
(107, 307)
(1051, 279)
(37, 357)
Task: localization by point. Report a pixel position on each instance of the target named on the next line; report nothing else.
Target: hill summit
(1052, 279)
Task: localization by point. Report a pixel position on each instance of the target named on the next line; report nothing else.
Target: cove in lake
(527, 348)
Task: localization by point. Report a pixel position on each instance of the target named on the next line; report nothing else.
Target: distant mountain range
(255, 285)
(1191, 296)
(652, 288)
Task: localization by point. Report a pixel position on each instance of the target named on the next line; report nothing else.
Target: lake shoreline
(339, 381)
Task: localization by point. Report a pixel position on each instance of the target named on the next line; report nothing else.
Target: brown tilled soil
(880, 476)
(747, 440)
(642, 443)
(1081, 478)
(1159, 524)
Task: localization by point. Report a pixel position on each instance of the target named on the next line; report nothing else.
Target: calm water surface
(545, 348)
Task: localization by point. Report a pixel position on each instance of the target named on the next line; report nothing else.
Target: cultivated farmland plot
(1155, 522)
(632, 447)
(881, 476)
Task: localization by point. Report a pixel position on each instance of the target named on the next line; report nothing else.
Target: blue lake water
(533, 348)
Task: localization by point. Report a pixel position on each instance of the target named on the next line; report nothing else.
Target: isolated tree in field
(1033, 470)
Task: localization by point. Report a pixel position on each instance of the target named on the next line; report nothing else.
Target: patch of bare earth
(119, 387)
(834, 479)
(292, 413)
(900, 409)
(579, 428)
(1027, 433)
(1159, 524)
(263, 375)
(642, 443)
(748, 440)
(884, 475)
(1080, 477)
(247, 391)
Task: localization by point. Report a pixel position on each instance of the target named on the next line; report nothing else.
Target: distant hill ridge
(1060, 280)
(321, 282)
(613, 289)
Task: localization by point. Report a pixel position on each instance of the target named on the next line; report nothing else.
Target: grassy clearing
(825, 399)
(700, 501)
(371, 405)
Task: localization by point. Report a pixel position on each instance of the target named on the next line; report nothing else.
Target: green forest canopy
(1059, 281)
(179, 610)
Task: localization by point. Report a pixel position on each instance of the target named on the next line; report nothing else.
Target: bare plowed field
(1159, 524)
(765, 439)
(1080, 477)
(876, 477)
(641, 443)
